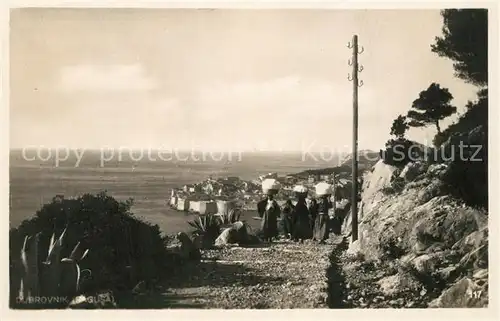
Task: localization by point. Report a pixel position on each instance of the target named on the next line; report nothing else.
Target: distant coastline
(149, 183)
(214, 195)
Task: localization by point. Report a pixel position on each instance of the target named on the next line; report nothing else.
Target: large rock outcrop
(373, 184)
(464, 294)
(426, 231)
(237, 233)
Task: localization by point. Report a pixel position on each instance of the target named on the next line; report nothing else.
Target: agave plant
(53, 277)
(207, 226)
(230, 217)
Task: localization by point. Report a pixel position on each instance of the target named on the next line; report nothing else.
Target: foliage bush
(468, 179)
(123, 249)
(476, 114)
(397, 186)
(390, 246)
(397, 152)
(388, 190)
(207, 226)
(467, 176)
(465, 42)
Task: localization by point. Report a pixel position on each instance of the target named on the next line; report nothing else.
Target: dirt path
(279, 275)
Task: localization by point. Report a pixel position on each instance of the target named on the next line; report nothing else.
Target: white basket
(323, 189)
(300, 189)
(270, 184)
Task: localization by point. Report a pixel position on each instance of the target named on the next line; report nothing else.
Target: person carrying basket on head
(301, 226)
(321, 226)
(287, 218)
(269, 210)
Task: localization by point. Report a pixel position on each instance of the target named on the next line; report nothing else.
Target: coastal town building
(268, 175)
(219, 196)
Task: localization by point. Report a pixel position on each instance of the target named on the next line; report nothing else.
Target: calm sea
(35, 179)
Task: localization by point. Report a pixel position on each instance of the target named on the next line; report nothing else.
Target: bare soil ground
(278, 275)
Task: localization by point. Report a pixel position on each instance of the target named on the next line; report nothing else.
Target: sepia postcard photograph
(242, 158)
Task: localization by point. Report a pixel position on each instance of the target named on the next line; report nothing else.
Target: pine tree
(399, 127)
(432, 105)
(465, 42)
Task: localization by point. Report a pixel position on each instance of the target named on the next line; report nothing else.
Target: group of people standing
(299, 221)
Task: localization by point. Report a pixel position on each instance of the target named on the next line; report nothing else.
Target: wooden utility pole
(334, 183)
(355, 85)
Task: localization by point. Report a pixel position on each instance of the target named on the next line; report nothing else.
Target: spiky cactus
(49, 282)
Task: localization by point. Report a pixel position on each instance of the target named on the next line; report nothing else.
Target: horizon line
(184, 150)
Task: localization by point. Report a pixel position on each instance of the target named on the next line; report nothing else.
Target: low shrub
(390, 246)
(467, 176)
(399, 152)
(476, 114)
(388, 190)
(464, 146)
(396, 186)
(123, 249)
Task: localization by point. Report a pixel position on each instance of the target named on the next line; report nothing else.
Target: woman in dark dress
(321, 227)
(269, 211)
(313, 212)
(301, 225)
(287, 219)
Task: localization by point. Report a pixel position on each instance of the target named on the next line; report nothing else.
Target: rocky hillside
(418, 246)
(366, 159)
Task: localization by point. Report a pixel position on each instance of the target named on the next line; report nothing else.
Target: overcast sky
(218, 79)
